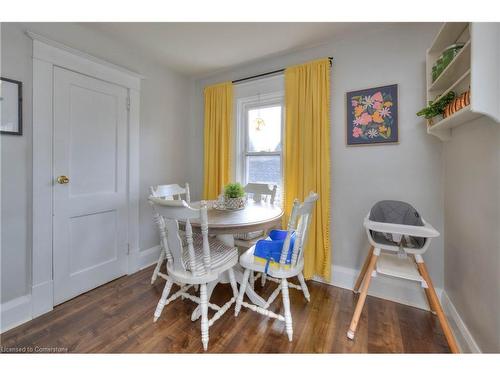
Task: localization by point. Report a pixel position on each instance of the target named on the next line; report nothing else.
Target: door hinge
(128, 103)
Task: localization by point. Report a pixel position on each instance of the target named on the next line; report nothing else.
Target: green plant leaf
(234, 190)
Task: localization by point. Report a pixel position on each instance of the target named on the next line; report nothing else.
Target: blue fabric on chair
(270, 248)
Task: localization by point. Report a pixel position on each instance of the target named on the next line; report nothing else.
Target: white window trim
(241, 136)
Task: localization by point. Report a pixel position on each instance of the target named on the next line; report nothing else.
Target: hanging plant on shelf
(436, 108)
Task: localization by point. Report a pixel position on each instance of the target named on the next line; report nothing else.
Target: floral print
(372, 133)
(371, 116)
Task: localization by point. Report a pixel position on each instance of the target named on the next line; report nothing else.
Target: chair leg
(263, 279)
(158, 266)
(434, 302)
(182, 285)
(232, 281)
(363, 270)
(362, 296)
(286, 306)
(252, 280)
(204, 315)
(162, 301)
(303, 285)
(241, 294)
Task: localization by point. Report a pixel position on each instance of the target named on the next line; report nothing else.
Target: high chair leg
(432, 308)
(434, 302)
(363, 270)
(362, 296)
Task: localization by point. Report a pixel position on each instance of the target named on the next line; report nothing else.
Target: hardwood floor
(118, 318)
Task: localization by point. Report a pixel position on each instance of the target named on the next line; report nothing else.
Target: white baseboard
(465, 340)
(25, 308)
(15, 312)
(398, 290)
(148, 257)
(42, 298)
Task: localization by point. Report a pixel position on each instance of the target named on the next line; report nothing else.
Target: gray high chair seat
(396, 212)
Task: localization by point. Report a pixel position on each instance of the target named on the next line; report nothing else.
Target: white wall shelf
(459, 65)
(442, 129)
(476, 66)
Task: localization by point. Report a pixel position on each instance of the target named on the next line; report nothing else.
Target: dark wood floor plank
(118, 318)
(384, 335)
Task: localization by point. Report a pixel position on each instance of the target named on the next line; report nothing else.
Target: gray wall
(164, 118)
(410, 171)
(472, 226)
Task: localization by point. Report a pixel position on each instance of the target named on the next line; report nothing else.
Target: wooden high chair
(396, 250)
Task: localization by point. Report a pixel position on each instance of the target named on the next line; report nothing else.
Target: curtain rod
(267, 74)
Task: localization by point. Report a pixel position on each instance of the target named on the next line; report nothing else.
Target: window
(260, 124)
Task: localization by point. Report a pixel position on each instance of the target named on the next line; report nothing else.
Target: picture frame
(11, 106)
(372, 116)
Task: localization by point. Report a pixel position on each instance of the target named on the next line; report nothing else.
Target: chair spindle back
(261, 191)
(300, 220)
(174, 211)
(171, 192)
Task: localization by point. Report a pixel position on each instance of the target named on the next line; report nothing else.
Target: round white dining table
(254, 217)
(225, 224)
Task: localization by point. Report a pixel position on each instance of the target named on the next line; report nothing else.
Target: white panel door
(90, 210)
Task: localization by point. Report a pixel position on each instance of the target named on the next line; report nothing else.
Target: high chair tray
(396, 266)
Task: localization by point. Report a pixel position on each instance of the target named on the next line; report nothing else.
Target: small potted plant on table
(234, 196)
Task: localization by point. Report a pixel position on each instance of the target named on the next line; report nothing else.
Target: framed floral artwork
(372, 116)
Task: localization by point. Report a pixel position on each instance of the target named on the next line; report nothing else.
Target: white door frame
(46, 55)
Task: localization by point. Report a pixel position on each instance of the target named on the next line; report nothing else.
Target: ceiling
(198, 49)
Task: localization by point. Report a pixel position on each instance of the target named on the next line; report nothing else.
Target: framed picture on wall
(11, 106)
(372, 116)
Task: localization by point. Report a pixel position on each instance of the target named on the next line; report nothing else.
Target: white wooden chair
(172, 191)
(198, 260)
(396, 250)
(300, 219)
(258, 192)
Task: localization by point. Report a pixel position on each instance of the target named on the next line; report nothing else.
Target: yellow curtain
(307, 155)
(218, 136)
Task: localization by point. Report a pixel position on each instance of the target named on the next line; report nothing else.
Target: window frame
(244, 105)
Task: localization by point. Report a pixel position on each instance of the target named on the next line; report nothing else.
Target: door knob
(62, 180)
